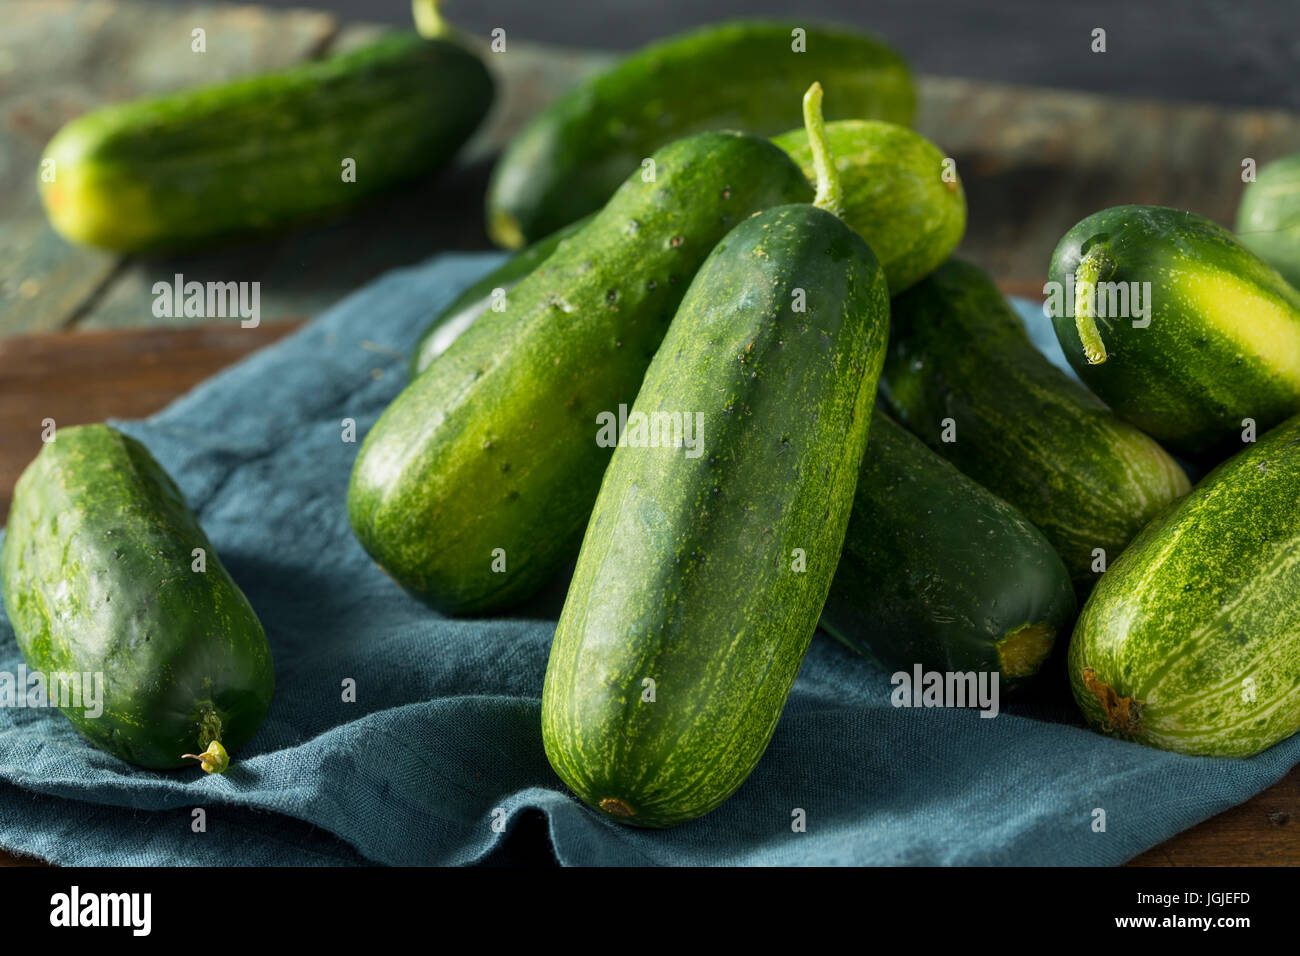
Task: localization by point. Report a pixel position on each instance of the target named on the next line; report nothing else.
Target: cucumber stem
(1094, 265)
(429, 21)
(830, 194)
(214, 759)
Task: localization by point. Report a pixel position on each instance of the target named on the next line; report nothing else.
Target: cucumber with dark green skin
(940, 572)
(1268, 219)
(263, 153)
(895, 194)
(895, 197)
(98, 574)
(742, 75)
(466, 308)
(688, 572)
(491, 453)
(1191, 641)
(1024, 428)
(1223, 340)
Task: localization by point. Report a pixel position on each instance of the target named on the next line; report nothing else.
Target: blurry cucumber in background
(263, 153)
(895, 197)
(1268, 219)
(572, 156)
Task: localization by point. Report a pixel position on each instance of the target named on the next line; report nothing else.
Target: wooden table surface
(1033, 161)
(89, 376)
(75, 341)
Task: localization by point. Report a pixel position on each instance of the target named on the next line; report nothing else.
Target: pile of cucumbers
(744, 383)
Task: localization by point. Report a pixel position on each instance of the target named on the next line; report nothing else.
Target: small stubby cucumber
(901, 194)
(108, 575)
(1177, 326)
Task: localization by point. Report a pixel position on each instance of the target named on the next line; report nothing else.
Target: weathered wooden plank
(60, 58)
(80, 377)
(1035, 161)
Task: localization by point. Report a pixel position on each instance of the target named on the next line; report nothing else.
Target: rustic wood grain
(1034, 161)
(89, 376)
(83, 377)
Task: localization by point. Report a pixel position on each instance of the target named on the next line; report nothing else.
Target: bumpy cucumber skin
(466, 308)
(97, 575)
(895, 196)
(494, 445)
(1268, 219)
(1193, 636)
(1024, 428)
(264, 153)
(686, 572)
(1224, 340)
(940, 572)
(741, 75)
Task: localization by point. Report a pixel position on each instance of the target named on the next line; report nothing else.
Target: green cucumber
(739, 75)
(706, 573)
(961, 362)
(101, 576)
(1218, 338)
(475, 484)
(896, 194)
(1268, 219)
(263, 153)
(1191, 641)
(940, 572)
(466, 308)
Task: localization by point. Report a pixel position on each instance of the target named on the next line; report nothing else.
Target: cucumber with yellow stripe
(1177, 326)
(1191, 641)
(963, 375)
